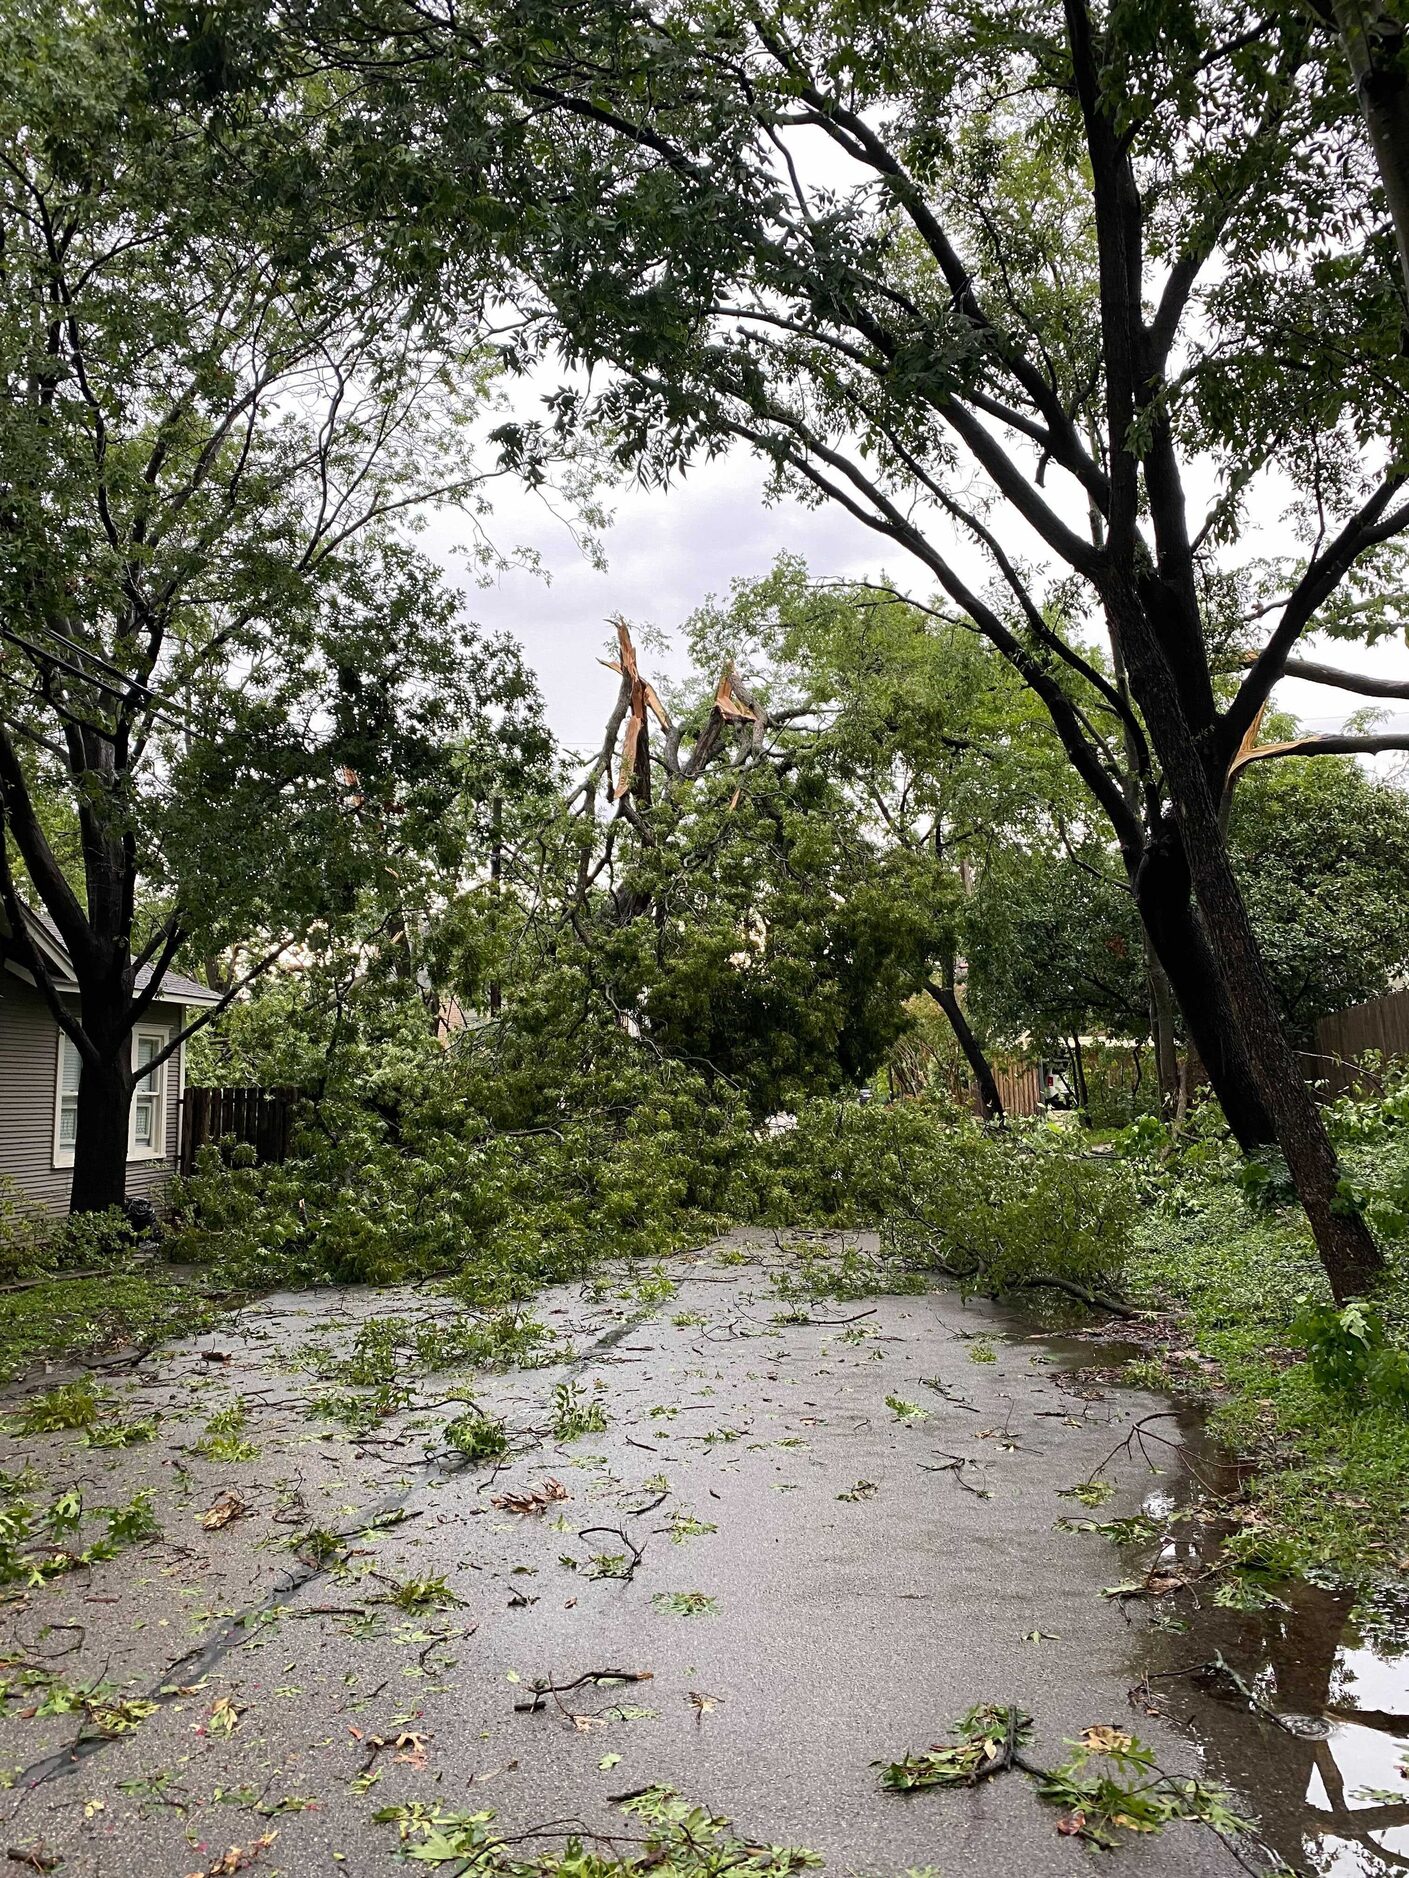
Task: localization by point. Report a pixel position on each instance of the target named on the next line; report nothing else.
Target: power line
(100, 684)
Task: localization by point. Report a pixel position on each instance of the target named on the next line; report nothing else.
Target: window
(146, 1139)
(66, 1125)
(148, 1108)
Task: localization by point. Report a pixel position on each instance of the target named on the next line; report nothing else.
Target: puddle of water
(1320, 1754)
(1325, 1770)
(1320, 1757)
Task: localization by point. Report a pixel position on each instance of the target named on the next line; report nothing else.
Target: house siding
(29, 1058)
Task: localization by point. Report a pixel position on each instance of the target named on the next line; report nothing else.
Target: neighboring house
(39, 1077)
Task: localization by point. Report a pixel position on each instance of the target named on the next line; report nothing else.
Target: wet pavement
(805, 1533)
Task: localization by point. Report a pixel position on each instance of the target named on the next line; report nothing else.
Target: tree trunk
(1348, 1251)
(1182, 950)
(103, 967)
(947, 999)
(1078, 1080)
(100, 1150)
(1375, 46)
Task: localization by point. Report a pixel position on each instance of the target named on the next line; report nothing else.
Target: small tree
(716, 890)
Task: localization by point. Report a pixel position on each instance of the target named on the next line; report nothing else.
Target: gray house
(39, 1077)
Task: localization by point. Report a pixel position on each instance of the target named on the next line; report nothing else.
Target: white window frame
(63, 1157)
(161, 1036)
(157, 1150)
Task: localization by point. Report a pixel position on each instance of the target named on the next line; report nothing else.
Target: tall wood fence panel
(1382, 1024)
(1019, 1089)
(263, 1118)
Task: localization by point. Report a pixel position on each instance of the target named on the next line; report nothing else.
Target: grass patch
(81, 1317)
(1333, 1479)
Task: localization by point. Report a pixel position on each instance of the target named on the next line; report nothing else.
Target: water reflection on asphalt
(1321, 1750)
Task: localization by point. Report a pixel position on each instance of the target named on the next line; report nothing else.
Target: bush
(429, 1179)
(22, 1237)
(993, 1210)
(1351, 1357)
(33, 1245)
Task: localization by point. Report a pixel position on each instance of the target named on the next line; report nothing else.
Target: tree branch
(1362, 682)
(1369, 526)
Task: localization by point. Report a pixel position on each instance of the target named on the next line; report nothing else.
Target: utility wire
(99, 684)
(99, 659)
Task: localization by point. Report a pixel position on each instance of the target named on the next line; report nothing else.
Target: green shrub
(32, 1245)
(1351, 1357)
(22, 1237)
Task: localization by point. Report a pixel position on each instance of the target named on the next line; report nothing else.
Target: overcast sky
(667, 550)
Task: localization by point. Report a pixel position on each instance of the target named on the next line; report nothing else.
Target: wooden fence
(263, 1118)
(1019, 1089)
(1382, 1024)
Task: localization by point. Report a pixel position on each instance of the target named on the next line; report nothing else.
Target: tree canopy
(1041, 298)
(232, 693)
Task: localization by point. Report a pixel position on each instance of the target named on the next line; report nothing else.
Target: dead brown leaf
(224, 1717)
(1106, 1740)
(410, 1747)
(531, 1499)
(238, 1857)
(222, 1510)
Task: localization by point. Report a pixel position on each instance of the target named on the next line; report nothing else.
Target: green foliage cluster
(576, 1412)
(1107, 1786)
(643, 1158)
(519, 1152)
(48, 1307)
(224, 1436)
(33, 1245)
(1322, 852)
(477, 1437)
(102, 1704)
(1350, 1356)
(979, 1737)
(40, 1542)
(993, 1210)
(678, 1841)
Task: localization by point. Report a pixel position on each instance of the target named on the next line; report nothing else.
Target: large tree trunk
(103, 967)
(1180, 944)
(100, 1150)
(947, 999)
(1348, 1251)
(1376, 45)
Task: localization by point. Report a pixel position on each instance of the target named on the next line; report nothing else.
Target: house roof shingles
(175, 987)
